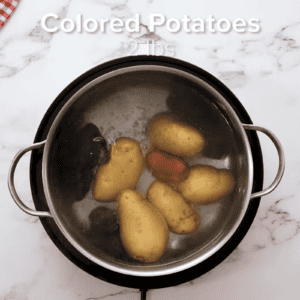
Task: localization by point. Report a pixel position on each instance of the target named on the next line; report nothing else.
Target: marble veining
(232, 64)
(123, 292)
(280, 224)
(262, 69)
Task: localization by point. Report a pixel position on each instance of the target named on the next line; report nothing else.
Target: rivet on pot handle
(281, 167)
(11, 184)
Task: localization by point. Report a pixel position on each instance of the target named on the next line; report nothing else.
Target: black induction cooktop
(87, 265)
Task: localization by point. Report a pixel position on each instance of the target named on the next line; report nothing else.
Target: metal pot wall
(118, 99)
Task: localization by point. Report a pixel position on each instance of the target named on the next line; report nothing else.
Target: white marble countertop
(262, 69)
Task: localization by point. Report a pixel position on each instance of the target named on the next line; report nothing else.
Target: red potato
(165, 167)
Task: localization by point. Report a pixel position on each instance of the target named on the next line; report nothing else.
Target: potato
(175, 137)
(181, 218)
(122, 171)
(165, 167)
(206, 184)
(144, 231)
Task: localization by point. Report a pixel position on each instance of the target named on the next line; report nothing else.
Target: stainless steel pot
(121, 103)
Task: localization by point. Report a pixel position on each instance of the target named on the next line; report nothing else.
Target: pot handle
(11, 184)
(281, 167)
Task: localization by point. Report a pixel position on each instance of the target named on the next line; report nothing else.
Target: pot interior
(121, 104)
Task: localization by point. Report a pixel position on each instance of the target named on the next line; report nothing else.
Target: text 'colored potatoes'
(166, 168)
(181, 218)
(123, 170)
(174, 137)
(144, 231)
(206, 184)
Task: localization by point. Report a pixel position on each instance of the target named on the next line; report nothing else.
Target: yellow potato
(181, 218)
(206, 184)
(174, 137)
(144, 231)
(123, 170)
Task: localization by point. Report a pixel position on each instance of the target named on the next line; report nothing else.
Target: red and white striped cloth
(7, 7)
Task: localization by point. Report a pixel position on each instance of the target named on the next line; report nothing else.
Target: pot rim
(142, 271)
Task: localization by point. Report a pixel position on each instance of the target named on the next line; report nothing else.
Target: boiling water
(125, 112)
